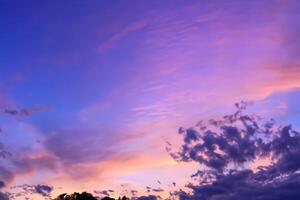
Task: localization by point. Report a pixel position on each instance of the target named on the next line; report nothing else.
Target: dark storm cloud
(246, 185)
(226, 145)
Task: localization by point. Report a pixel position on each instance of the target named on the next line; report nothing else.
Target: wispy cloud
(117, 37)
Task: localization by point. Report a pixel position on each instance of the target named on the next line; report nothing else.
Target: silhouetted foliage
(108, 198)
(84, 196)
(76, 196)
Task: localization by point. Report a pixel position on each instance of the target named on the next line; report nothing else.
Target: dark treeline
(88, 196)
(84, 196)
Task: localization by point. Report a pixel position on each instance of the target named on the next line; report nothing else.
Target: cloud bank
(226, 150)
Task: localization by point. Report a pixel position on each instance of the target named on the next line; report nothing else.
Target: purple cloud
(4, 196)
(227, 146)
(44, 190)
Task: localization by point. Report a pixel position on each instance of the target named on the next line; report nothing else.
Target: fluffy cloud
(226, 149)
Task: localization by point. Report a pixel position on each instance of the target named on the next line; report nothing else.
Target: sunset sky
(91, 91)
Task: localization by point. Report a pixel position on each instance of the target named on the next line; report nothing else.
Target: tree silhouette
(76, 196)
(84, 196)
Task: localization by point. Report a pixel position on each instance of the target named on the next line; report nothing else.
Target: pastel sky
(105, 84)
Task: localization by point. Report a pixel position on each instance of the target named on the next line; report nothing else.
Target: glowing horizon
(106, 84)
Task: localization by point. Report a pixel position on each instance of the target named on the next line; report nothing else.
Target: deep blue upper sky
(107, 82)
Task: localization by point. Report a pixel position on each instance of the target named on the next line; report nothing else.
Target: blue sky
(107, 83)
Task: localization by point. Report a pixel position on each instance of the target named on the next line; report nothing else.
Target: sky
(91, 91)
